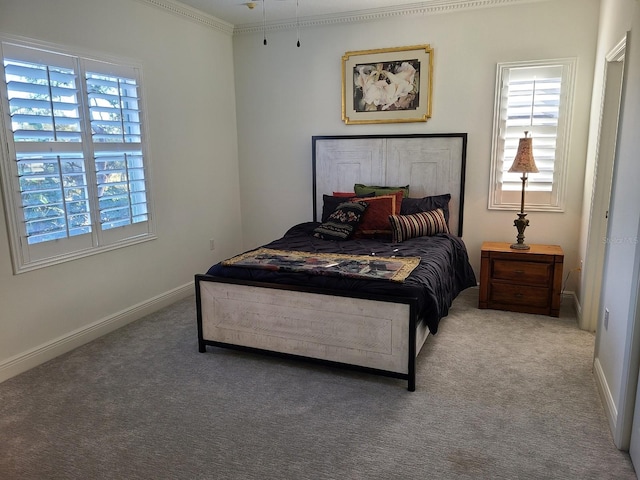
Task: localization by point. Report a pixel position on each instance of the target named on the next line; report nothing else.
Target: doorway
(592, 270)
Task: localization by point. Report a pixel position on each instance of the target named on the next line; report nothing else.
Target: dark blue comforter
(443, 273)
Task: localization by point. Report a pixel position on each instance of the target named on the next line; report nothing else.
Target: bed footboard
(377, 334)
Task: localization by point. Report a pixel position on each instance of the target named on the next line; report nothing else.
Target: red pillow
(399, 196)
(375, 221)
(344, 194)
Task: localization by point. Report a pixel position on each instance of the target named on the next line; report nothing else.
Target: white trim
(47, 351)
(571, 297)
(19, 268)
(598, 221)
(578, 308)
(415, 8)
(72, 50)
(609, 405)
(198, 16)
(617, 53)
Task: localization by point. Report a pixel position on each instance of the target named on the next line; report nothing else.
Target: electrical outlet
(606, 318)
(212, 245)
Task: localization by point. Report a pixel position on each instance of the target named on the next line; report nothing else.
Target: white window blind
(117, 137)
(76, 174)
(534, 97)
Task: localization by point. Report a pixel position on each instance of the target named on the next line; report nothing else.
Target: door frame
(606, 152)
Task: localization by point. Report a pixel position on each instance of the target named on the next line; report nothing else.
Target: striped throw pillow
(419, 224)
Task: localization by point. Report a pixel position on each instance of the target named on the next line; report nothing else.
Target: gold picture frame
(387, 85)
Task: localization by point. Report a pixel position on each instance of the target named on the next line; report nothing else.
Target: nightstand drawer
(509, 294)
(531, 273)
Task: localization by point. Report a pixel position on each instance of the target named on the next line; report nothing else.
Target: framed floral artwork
(387, 85)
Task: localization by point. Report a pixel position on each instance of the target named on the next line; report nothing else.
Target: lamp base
(520, 223)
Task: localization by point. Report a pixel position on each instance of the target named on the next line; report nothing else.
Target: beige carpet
(499, 396)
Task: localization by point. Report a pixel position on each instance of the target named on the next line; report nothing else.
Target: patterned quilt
(395, 269)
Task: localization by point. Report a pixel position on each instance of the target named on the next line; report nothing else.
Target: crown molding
(420, 8)
(193, 14)
(411, 9)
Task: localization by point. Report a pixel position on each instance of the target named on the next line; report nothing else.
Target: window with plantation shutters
(74, 167)
(532, 97)
(117, 148)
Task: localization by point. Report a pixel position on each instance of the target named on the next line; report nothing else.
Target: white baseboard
(578, 308)
(570, 297)
(47, 351)
(610, 410)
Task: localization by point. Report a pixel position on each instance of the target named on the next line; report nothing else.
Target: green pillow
(361, 189)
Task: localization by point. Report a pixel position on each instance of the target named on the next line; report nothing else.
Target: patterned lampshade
(524, 162)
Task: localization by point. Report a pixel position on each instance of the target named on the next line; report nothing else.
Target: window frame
(498, 200)
(30, 257)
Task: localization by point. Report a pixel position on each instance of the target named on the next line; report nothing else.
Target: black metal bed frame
(413, 323)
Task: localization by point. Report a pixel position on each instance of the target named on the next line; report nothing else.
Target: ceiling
(237, 12)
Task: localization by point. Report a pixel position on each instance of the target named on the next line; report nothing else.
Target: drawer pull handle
(518, 295)
(520, 272)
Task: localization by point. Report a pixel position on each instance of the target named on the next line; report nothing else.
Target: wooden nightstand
(528, 281)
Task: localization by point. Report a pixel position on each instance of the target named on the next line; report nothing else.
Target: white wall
(189, 87)
(285, 95)
(617, 347)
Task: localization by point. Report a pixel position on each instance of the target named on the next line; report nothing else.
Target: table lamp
(523, 163)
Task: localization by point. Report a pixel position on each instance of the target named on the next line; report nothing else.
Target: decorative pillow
(330, 203)
(342, 223)
(361, 189)
(419, 224)
(375, 221)
(426, 204)
(399, 197)
(344, 194)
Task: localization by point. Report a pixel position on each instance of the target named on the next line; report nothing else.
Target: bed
(368, 302)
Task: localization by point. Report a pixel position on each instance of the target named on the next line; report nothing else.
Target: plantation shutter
(76, 179)
(532, 97)
(44, 106)
(116, 131)
(533, 105)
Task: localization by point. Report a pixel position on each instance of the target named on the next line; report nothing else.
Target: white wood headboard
(431, 164)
